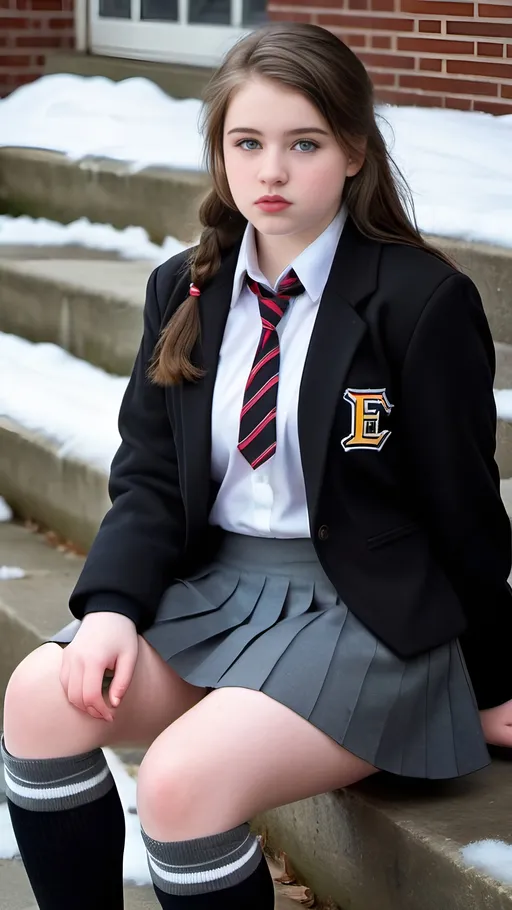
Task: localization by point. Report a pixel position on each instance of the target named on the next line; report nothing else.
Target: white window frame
(167, 42)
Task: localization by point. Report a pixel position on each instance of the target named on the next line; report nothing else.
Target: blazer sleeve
(448, 415)
(138, 544)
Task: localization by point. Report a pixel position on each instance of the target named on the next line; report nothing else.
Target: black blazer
(397, 427)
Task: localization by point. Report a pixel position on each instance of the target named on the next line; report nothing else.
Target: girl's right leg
(64, 806)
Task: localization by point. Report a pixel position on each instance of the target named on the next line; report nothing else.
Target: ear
(356, 160)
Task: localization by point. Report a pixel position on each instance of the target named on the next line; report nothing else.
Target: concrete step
(65, 494)
(391, 844)
(506, 494)
(48, 184)
(503, 378)
(90, 307)
(16, 894)
(387, 844)
(177, 79)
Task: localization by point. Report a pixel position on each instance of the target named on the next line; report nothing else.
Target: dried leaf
(31, 525)
(53, 539)
(288, 891)
(288, 868)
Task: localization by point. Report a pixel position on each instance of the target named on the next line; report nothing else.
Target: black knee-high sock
(220, 872)
(69, 825)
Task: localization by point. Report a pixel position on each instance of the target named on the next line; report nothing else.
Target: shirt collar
(312, 266)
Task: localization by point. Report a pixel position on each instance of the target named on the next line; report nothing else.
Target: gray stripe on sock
(203, 864)
(52, 784)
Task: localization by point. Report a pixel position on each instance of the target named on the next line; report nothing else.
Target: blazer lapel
(337, 332)
(196, 397)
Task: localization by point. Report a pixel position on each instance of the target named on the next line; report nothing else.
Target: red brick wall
(27, 29)
(442, 53)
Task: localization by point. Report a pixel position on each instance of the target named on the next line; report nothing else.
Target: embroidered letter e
(367, 407)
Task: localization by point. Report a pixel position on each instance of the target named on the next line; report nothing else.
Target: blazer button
(323, 532)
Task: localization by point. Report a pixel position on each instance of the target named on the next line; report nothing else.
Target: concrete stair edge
(65, 494)
(102, 325)
(48, 184)
(378, 860)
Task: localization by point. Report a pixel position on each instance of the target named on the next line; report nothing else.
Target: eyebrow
(301, 129)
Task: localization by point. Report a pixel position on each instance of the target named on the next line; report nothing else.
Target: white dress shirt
(271, 500)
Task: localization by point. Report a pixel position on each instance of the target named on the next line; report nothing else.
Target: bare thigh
(235, 754)
(39, 721)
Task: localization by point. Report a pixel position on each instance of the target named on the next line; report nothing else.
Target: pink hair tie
(194, 290)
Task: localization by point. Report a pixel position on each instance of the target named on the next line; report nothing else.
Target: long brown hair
(313, 61)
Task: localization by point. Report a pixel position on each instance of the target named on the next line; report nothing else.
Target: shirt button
(323, 532)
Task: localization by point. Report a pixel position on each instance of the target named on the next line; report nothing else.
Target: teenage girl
(303, 575)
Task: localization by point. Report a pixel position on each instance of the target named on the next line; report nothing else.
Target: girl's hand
(104, 641)
(497, 724)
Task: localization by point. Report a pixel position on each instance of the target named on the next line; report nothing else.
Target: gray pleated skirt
(263, 615)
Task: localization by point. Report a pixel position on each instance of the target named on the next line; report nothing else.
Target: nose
(273, 171)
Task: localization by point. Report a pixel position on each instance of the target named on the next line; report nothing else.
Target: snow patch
(503, 398)
(130, 243)
(9, 572)
(70, 402)
(493, 857)
(6, 513)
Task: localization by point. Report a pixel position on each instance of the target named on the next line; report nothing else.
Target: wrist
(113, 603)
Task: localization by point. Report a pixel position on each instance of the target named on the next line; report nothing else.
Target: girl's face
(277, 143)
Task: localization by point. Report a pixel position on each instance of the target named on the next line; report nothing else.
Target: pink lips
(272, 203)
(272, 199)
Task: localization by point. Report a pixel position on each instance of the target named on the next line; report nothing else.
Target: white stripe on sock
(208, 875)
(55, 792)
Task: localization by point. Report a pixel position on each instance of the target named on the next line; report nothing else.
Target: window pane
(254, 12)
(164, 10)
(214, 12)
(115, 9)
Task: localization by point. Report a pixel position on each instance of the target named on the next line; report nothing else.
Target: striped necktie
(257, 433)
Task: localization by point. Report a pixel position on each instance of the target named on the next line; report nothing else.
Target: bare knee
(28, 686)
(169, 788)
(35, 705)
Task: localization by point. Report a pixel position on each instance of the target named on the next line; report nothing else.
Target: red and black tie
(257, 434)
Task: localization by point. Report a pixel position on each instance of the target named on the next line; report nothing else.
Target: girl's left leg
(235, 754)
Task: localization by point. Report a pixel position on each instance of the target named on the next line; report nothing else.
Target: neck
(275, 253)
(272, 261)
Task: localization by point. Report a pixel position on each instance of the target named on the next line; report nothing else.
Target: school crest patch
(368, 406)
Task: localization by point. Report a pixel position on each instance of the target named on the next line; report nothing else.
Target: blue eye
(299, 141)
(308, 142)
(245, 140)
